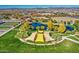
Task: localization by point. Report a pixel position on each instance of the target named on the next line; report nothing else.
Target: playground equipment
(40, 37)
(69, 27)
(38, 24)
(63, 28)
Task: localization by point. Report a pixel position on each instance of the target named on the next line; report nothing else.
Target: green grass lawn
(8, 43)
(4, 28)
(7, 24)
(10, 23)
(73, 38)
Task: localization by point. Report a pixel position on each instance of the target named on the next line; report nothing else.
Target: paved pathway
(47, 36)
(31, 37)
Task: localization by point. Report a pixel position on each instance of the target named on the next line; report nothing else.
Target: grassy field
(8, 43)
(73, 38)
(4, 28)
(7, 25)
(10, 23)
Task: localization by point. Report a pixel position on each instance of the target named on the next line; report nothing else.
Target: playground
(49, 37)
(52, 32)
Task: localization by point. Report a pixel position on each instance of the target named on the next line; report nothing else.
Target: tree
(23, 28)
(6, 17)
(61, 27)
(50, 25)
(76, 26)
(37, 27)
(42, 27)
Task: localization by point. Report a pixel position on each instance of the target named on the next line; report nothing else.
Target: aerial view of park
(39, 28)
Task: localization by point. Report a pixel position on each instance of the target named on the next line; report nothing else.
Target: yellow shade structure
(40, 37)
(62, 27)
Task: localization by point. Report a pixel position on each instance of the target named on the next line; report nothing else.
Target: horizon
(38, 6)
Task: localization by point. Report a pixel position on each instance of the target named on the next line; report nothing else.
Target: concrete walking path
(47, 36)
(31, 37)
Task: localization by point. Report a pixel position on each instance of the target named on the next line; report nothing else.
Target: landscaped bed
(57, 36)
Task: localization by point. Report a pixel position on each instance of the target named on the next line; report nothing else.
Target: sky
(38, 6)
